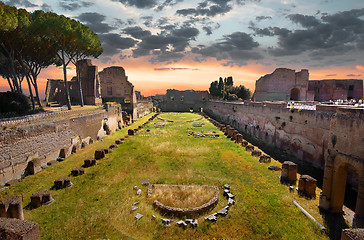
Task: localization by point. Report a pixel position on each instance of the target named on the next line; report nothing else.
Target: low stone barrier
(89, 162)
(11, 207)
(78, 171)
(256, 153)
(265, 158)
(41, 197)
(62, 182)
(307, 186)
(289, 172)
(16, 229)
(249, 148)
(99, 153)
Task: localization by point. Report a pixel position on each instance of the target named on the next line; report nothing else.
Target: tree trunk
(68, 100)
(36, 91)
(10, 84)
(31, 92)
(78, 73)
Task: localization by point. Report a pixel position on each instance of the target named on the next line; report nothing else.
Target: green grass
(98, 204)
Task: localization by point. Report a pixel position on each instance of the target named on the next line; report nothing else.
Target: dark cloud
(95, 22)
(208, 30)
(330, 75)
(148, 20)
(112, 43)
(21, 3)
(138, 3)
(167, 3)
(304, 20)
(208, 8)
(331, 35)
(73, 5)
(137, 32)
(45, 7)
(260, 18)
(167, 46)
(236, 47)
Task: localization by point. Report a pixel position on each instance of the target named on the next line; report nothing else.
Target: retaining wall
(43, 141)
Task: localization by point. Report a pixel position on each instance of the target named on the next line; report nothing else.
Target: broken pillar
(289, 172)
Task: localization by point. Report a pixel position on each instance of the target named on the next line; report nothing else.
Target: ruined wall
(282, 85)
(332, 89)
(306, 134)
(302, 133)
(143, 108)
(183, 101)
(44, 140)
(115, 87)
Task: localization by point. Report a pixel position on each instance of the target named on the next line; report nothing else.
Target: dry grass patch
(182, 196)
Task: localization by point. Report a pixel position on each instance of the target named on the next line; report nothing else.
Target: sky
(185, 44)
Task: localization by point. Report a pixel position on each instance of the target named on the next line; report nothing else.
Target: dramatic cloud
(167, 3)
(137, 32)
(236, 47)
(304, 20)
(208, 8)
(208, 30)
(95, 22)
(165, 47)
(73, 5)
(21, 3)
(112, 43)
(138, 3)
(331, 35)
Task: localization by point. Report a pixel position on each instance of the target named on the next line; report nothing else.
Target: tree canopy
(225, 89)
(30, 42)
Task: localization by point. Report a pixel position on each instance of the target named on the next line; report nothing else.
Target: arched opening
(295, 94)
(345, 185)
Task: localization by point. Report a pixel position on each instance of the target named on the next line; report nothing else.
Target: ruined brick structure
(331, 89)
(90, 84)
(286, 84)
(282, 85)
(328, 138)
(115, 87)
(182, 101)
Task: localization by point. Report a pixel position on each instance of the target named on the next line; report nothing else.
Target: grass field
(98, 205)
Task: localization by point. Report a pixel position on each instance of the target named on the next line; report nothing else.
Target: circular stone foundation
(180, 191)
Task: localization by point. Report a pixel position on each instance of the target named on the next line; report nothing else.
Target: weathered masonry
(330, 138)
(27, 147)
(285, 84)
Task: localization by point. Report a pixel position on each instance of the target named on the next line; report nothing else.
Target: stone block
(249, 148)
(113, 146)
(307, 185)
(244, 143)
(289, 172)
(118, 141)
(15, 229)
(99, 153)
(274, 168)
(89, 162)
(107, 150)
(256, 153)
(239, 138)
(130, 132)
(11, 207)
(62, 182)
(265, 158)
(41, 197)
(78, 171)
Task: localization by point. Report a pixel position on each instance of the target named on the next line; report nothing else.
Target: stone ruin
(11, 207)
(289, 172)
(16, 229)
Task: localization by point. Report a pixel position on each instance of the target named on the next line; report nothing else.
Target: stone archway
(333, 190)
(295, 94)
